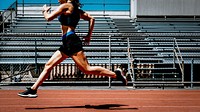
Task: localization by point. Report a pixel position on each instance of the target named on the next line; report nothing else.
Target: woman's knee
(48, 67)
(86, 70)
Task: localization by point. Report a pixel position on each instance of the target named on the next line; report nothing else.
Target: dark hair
(76, 3)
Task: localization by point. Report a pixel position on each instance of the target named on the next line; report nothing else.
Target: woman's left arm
(87, 17)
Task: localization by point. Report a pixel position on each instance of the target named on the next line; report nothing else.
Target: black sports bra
(70, 20)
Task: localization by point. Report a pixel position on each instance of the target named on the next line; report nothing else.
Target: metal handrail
(130, 63)
(11, 7)
(180, 61)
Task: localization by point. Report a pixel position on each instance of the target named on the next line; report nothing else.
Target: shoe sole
(28, 96)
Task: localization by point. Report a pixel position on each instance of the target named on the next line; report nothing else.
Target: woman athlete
(69, 14)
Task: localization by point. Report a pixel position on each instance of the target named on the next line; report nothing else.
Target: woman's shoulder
(81, 11)
(66, 5)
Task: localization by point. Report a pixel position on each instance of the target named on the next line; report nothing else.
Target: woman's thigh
(56, 58)
(81, 60)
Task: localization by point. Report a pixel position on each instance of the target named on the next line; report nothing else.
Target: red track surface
(102, 101)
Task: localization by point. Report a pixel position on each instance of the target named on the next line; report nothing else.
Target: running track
(102, 101)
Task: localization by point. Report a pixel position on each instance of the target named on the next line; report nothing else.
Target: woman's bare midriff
(66, 29)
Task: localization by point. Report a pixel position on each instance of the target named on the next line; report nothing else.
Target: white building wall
(168, 7)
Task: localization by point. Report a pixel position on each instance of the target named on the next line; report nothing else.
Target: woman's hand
(45, 8)
(86, 40)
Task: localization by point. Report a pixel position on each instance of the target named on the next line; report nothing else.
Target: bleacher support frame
(127, 36)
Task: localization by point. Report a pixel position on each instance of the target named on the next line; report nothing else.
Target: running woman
(69, 14)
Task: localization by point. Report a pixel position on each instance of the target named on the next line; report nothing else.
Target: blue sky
(116, 5)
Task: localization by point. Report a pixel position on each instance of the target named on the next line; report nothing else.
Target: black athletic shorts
(71, 44)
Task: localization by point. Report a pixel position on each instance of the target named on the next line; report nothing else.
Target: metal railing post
(12, 72)
(11, 16)
(128, 50)
(130, 64)
(174, 50)
(16, 5)
(192, 68)
(22, 7)
(183, 74)
(104, 6)
(109, 59)
(50, 4)
(3, 23)
(36, 65)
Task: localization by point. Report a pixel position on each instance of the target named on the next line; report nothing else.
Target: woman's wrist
(44, 11)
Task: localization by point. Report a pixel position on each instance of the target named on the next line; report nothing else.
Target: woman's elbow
(92, 20)
(48, 19)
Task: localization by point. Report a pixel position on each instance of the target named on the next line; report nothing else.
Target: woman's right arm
(67, 8)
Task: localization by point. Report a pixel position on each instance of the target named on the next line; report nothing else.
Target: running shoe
(29, 93)
(120, 76)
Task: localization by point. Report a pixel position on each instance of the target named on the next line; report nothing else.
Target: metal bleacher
(30, 41)
(22, 24)
(168, 24)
